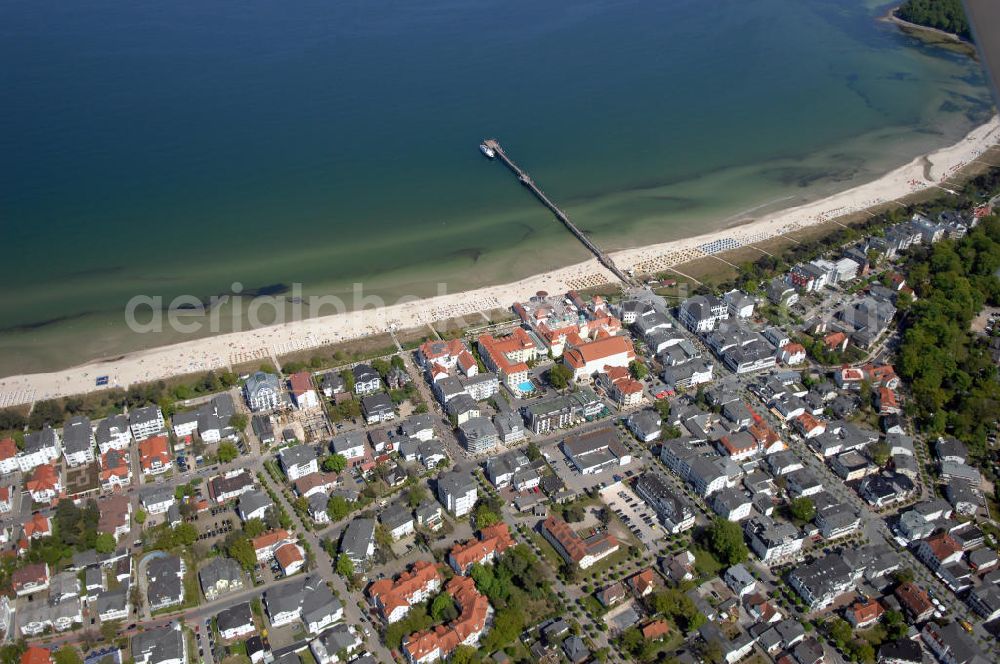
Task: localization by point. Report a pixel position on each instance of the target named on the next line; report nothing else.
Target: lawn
(548, 552)
(705, 563)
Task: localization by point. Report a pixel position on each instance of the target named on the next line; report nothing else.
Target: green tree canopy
(345, 566)
(560, 375)
(335, 463)
(725, 538)
(802, 508)
(227, 452)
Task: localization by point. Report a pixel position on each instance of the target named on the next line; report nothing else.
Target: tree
(464, 655)
(508, 624)
(337, 508)
(840, 631)
(903, 575)
(674, 604)
(532, 452)
(105, 543)
(638, 369)
(335, 463)
(663, 408)
(227, 452)
(879, 453)
(186, 534)
(416, 495)
(726, 540)
(254, 527)
(560, 375)
(485, 516)
(242, 551)
(238, 421)
(802, 509)
(345, 566)
(443, 608)
(67, 655)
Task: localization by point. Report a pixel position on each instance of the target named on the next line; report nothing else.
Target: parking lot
(633, 512)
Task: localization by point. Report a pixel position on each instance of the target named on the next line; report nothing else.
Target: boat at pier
(487, 150)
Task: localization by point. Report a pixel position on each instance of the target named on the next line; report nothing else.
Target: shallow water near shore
(167, 149)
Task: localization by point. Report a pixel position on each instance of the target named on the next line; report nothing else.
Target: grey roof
(145, 414)
(476, 428)
(116, 422)
(93, 577)
(285, 598)
(77, 434)
(218, 569)
(645, 421)
(235, 616)
(297, 456)
(357, 536)
(337, 638)
(164, 582)
(251, 501)
(378, 402)
(347, 440)
(396, 515)
(262, 381)
(112, 600)
(364, 373)
(156, 494)
(186, 417)
(461, 403)
(39, 440)
(961, 472)
(162, 644)
(318, 602)
(456, 482)
(411, 426)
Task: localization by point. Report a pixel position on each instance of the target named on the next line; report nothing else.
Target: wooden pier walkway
(526, 180)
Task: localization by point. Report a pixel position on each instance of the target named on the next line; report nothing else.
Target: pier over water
(526, 180)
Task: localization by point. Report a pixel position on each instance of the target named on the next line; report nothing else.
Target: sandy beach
(219, 352)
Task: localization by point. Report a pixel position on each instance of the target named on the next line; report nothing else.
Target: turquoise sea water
(168, 148)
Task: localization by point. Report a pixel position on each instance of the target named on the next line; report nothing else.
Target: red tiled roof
(595, 351)
(151, 449)
(574, 545)
(493, 540)
(642, 581)
(44, 478)
(465, 361)
(393, 594)
(301, 383)
(887, 398)
(866, 612)
(655, 630)
(36, 655)
(914, 598)
(807, 422)
(269, 539)
(38, 525)
(114, 513)
(287, 555)
(34, 573)
(433, 350)
(114, 463)
(834, 339)
(8, 449)
(943, 545)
